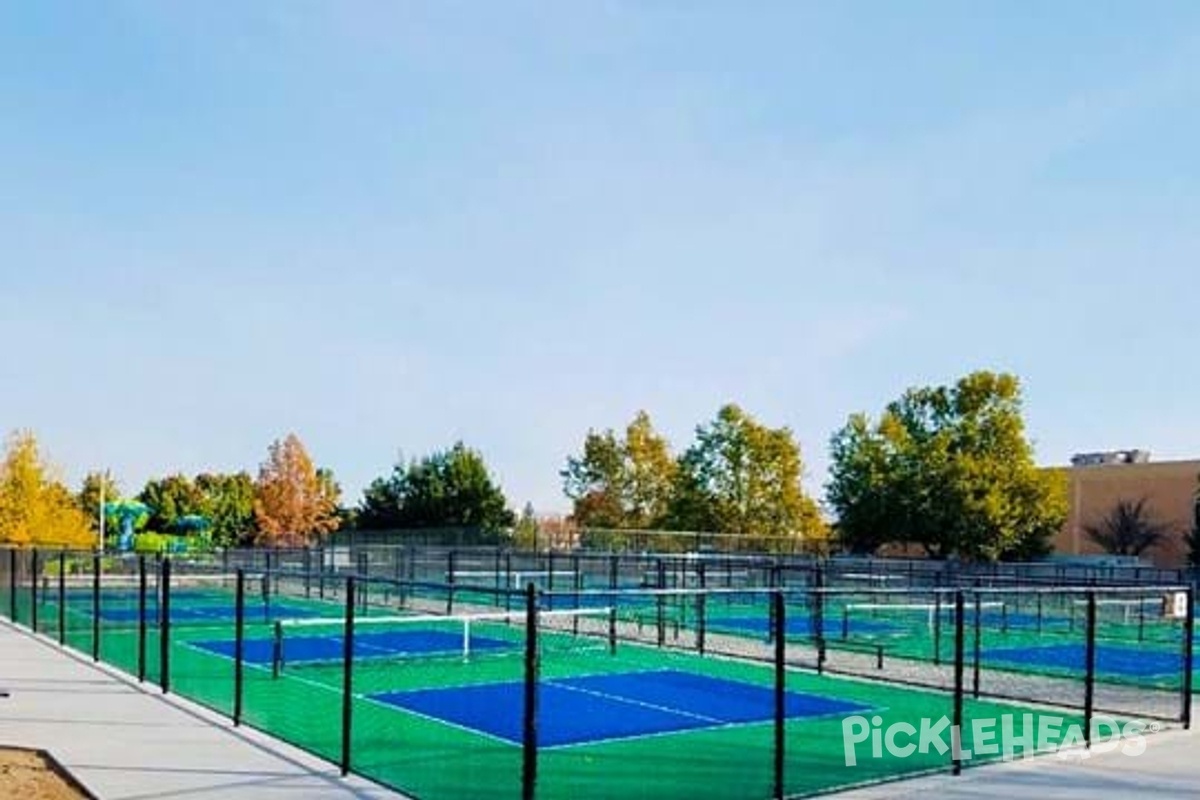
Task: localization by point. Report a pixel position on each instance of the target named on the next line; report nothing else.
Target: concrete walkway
(126, 744)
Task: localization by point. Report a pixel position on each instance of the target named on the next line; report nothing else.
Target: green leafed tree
(171, 498)
(446, 489)
(229, 499)
(525, 532)
(949, 469)
(622, 481)
(743, 477)
(97, 485)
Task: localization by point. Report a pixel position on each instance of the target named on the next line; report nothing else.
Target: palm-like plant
(1127, 530)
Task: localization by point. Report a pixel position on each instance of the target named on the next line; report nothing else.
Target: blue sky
(387, 226)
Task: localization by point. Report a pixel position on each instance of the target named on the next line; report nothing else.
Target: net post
(845, 622)
(348, 677)
(1141, 621)
(141, 641)
(62, 597)
(1089, 689)
(780, 689)
(612, 628)
(1039, 613)
(276, 649)
(550, 569)
(978, 647)
(164, 637)
(96, 606)
(33, 582)
(1189, 633)
(956, 735)
(529, 727)
(239, 645)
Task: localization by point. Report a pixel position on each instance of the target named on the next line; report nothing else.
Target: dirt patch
(29, 775)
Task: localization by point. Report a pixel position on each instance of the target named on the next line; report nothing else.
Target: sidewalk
(126, 744)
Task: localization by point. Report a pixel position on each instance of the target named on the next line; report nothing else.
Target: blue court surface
(213, 613)
(799, 626)
(1110, 659)
(600, 708)
(318, 649)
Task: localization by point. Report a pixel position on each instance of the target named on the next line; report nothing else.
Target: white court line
(634, 702)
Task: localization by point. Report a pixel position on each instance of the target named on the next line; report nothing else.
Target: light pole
(103, 480)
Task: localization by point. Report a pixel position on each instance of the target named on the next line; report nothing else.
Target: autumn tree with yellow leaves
(36, 508)
(294, 501)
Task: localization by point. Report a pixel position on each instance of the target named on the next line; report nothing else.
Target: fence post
(818, 626)
(662, 599)
(1189, 635)
(95, 607)
(33, 590)
(12, 584)
(164, 630)
(62, 597)
(956, 733)
(529, 723)
(1089, 690)
(239, 640)
(937, 627)
(508, 581)
(701, 606)
(498, 575)
(450, 561)
(141, 636)
(978, 646)
(348, 677)
(780, 690)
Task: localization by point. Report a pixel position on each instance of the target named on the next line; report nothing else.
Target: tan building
(1097, 481)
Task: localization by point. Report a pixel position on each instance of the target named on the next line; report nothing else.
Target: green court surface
(431, 758)
(433, 751)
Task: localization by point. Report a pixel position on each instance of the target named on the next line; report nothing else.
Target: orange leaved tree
(294, 502)
(35, 507)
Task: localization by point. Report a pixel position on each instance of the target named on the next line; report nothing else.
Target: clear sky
(387, 226)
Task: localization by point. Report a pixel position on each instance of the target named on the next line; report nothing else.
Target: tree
(446, 489)
(36, 508)
(622, 482)
(293, 503)
(525, 532)
(595, 481)
(1127, 530)
(948, 469)
(171, 498)
(229, 499)
(96, 485)
(745, 478)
